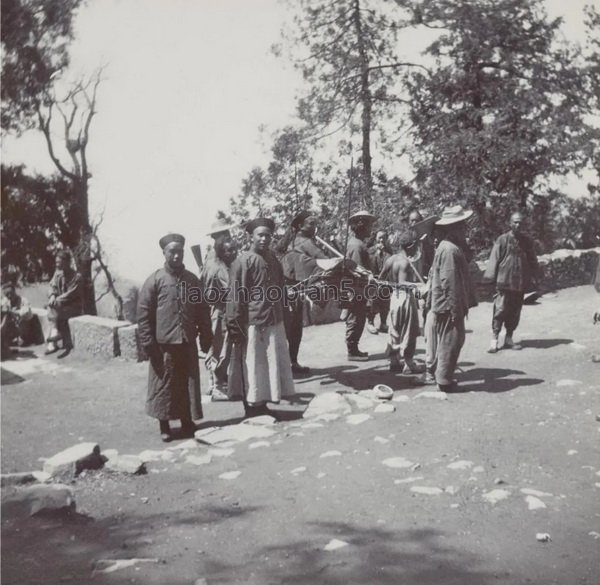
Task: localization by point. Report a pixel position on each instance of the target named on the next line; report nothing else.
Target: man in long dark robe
(360, 228)
(299, 263)
(254, 317)
(513, 267)
(451, 295)
(171, 314)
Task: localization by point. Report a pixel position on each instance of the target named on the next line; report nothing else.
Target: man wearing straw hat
(451, 294)
(360, 227)
(168, 324)
(254, 317)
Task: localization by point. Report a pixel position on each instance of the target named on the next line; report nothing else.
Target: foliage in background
(35, 37)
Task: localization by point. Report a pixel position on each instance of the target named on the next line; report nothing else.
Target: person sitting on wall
(17, 318)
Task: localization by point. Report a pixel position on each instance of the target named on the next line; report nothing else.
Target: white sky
(187, 85)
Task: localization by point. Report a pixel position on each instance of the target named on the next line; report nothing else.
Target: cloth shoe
(510, 344)
(493, 346)
(355, 355)
(372, 329)
(165, 431)
(298, 369)
(411, 367)
(429, 379)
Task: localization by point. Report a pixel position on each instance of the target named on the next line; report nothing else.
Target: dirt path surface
(439, 491)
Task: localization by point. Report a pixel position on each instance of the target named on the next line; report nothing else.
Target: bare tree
(65, 123)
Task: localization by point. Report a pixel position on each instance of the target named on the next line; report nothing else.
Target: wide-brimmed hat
(453, 214)
(362, 214)
(219, 227)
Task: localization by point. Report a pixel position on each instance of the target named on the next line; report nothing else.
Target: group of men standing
(249, 313)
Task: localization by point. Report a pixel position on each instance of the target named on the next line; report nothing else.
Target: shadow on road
(494, 380)
(64, 549)
(374, 555)
(7, 377)
(544, 343)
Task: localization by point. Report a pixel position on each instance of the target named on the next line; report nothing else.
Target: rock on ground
(72, 461)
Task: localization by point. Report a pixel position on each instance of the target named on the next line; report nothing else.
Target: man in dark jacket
(65, 301)
(299, 263)
(513, 267)
(254, 317)
(171, 314)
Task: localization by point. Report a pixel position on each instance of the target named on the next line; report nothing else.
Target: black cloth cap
(299, 218)
(169, 239)
(408, 238)
(260, 222)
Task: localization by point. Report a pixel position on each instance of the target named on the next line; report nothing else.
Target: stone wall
(560, 269)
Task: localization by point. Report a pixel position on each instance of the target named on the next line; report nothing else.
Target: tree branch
(45, 128)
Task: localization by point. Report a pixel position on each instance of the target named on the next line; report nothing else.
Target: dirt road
(439, 491)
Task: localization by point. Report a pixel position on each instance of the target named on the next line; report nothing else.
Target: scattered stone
(461, 464)
(499, 481)
(572, 452)
(397, 462)
(594, 534)
(455, 505)
(199, 459)
(415, 467)
(37, 499)
(258, 444)
(298, 470)
(262, 420)
(435, 394)
(186, 445)
(330, 454)
(478, 469)
(534, 503)
(360, 402)
(335, 544)
(110, 454)
(384, 408)
(577, 346)
(112, 565)
(96, 335)
(568, 382)
(202, 581)
(13, 479)
(532, 492)
(313, 425)
(41, 476)
(127, 464)
(401, 398)
(381, 440)
(221, 452)
(144, 500)
(328, 402)
(543, 537)
(167, 455)
(408, 480)
(230, 475)
(72, 461)
(495, 496)
(357, 419)
(427, 491)
(327, 417)
(321, 475)
(451, 489)
(235, 433)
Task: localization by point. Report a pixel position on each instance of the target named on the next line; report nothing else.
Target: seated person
(65, 302)
(17, 324)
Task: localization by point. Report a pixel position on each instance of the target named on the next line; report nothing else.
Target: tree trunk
(367, 104)
(83, 254)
